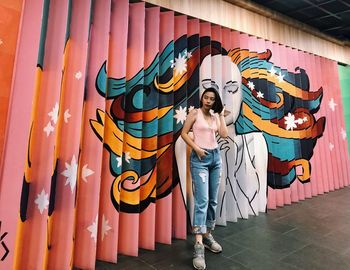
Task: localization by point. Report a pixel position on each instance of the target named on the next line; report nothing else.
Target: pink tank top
(204, 135)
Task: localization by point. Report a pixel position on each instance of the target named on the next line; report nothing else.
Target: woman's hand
(224, 112)
(201, 153)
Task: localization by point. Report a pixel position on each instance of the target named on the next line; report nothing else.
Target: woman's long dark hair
(217, 106)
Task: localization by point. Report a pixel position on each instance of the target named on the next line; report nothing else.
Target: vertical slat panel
(90, 186)
(61, 231)
(341, 117)
(150, 125)
(332, 144)
(19, 125)
(271, 191)
(165, 129)
(9, 29)
(180, 105)
(226, 208)
(307, 147)
(129, 222)
(294, 63)
(43, 170)
(261, 152)
(324, 140)
(282, 195)
(193, 29)
(316, 169)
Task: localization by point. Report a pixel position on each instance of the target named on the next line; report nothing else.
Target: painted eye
(231, 87)
(208, 83)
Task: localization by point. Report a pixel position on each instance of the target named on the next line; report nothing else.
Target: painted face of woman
(222, 74)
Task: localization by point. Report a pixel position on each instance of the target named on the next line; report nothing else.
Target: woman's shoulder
(193, 112)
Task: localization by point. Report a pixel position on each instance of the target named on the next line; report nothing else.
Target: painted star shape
(290, 121)
(119, 161)
(343, 133)
(105, 227)
(251, 85)
(272, 71)
(54, 113)
(42, 200)
(48, 129)
(127, 157)
(260, 95)
(71, 173)
(66, 116)
(190, 108)
(189, 55)
(93, 229)
(331, 146)
(180, 115)
(332, 104)
(180, 65)
(280, 77)
(86, 172)
(78, 75)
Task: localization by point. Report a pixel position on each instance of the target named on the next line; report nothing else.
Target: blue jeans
(206, 174)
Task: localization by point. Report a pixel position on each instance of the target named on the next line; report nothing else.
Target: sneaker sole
(212, 250)
(198, 268)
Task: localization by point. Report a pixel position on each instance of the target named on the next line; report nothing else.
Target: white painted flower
(127, 157)
(331, 146)
(93, 229)
(66, 116)
(305, 119)
(332, 104)
(71, 173)
(260, 95)
(251, 85)
(299, 121)
(290, 121)
(105, 227)
(280, 77)
(86, 172)
(180, 65)
(189, 55)
(272, 71)
(48, 129)
(180, 115)
(119, 161)
(42, 200)
(78, 75)
(54, 113)
(343, 133)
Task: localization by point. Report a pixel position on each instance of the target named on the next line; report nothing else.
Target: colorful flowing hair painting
(143, 109)
(284, 113)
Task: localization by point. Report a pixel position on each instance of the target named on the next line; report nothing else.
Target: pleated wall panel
(106, 171)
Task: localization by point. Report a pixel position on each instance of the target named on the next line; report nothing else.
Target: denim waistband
(211, 150)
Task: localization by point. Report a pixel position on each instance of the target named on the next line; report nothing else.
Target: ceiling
(331, 17)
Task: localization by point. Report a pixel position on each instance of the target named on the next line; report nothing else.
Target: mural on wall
(271, 119)
(107, 171)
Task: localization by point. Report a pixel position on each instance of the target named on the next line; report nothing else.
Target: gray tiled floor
(312, 234)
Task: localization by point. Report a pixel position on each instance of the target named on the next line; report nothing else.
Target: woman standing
(205, 163)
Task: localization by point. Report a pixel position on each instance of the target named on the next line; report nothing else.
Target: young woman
(205, 163)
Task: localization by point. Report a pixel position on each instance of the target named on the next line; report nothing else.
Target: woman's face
(219, 72)
(208, 100)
